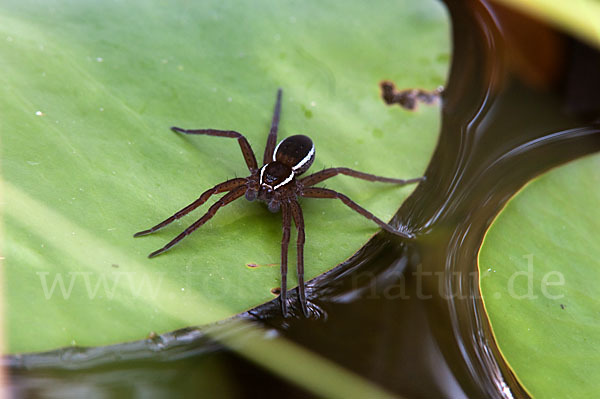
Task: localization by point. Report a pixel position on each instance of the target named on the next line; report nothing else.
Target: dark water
(405, 315)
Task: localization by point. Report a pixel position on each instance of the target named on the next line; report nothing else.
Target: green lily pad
(540, 267)
(89, 91)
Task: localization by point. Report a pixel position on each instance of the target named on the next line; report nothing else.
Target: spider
(277, 184)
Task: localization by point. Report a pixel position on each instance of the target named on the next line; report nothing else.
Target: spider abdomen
(297, 152)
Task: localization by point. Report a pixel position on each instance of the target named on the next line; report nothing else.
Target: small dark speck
(562, 306)
(115, 265)
(276, 291)
(252, 265)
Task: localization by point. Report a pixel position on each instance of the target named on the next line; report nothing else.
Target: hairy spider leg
(299, 221)
(330, 172)
(219, 188)
(272, 138)
(318, 192)
(244, 144)
(285, 240)
(226, 199)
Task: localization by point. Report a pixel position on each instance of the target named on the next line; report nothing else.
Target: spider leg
(226, 199)
(285, 240)
(272, 138)
(219, 188)
(325, 174)
(244, 144)
(318, 192)
(299, 221)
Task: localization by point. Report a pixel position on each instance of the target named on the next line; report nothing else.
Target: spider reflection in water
(276, 184)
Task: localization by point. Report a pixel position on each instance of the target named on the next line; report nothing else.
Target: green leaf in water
(89, 91)
(540, 267)
(581, 18)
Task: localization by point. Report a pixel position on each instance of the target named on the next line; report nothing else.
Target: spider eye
(250, 195)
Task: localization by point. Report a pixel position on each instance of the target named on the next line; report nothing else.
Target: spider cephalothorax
(276, 184)
(292, 157)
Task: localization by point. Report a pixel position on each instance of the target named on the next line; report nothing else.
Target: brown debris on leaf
(409, 98)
